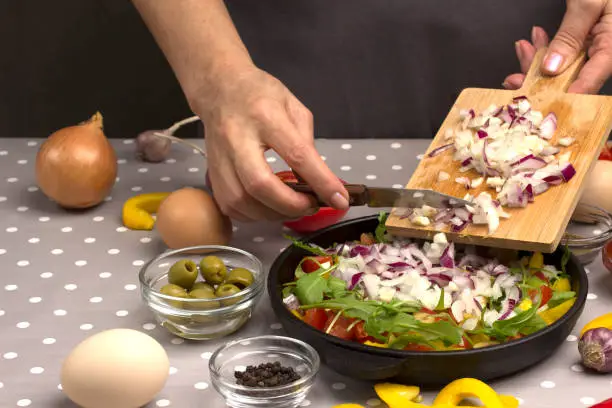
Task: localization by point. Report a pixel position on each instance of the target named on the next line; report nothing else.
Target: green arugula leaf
(350, 305)
(511, 327)
(381, 229)
(535, 324)
(560, 297)
(310, 288)
(336, 287)
(312, 248)
(440, 305)
(565, 259)
(400, 342)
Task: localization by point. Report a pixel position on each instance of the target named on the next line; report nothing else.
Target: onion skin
(77, 166)
(595, 348)
(151, 148)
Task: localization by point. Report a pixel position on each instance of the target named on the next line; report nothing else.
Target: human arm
(245, 112)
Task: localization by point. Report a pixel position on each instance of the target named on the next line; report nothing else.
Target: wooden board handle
(536, 81)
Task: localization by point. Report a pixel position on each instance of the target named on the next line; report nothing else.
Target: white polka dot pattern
(73, 274)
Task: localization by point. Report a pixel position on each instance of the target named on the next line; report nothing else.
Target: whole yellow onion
(77, 166)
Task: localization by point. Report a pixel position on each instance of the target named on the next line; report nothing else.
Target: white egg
(119, 368)
(598, 187)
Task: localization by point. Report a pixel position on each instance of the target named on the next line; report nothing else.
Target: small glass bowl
(237, 355)
(606, 256)
(201, 319)
(588, 231)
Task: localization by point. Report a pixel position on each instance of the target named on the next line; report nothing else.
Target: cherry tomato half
(546, 293)
(325, 217)
(606, 255)
(309, 264)
(315, 318)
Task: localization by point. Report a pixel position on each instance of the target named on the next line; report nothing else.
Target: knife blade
(376, 197)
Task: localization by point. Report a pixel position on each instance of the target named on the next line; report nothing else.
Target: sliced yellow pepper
(562, 285)
(459, 390)
(536, 261)
(373, 344)
(137, 210)
(601, 321)
(525, 304)
(396, 394)
(297, 314)
(552, 315)
(348, 406)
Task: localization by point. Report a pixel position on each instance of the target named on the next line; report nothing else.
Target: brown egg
(190, 217)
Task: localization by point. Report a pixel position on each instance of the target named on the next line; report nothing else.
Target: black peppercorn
(266, 375)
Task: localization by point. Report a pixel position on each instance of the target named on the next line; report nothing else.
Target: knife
(360, 194)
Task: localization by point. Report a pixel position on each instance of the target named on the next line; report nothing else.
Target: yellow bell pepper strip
(552, 315)
(601, 321)
(374, 344)
(297, 314)
(457, 391)
(348, 406)
(137, 210)
(562, 285)
(396, 394)
(536, 261)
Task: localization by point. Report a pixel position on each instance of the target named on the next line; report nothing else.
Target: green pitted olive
(203, 294)
(175, 291)
(171, 289)
(213, 269)
(227, 289)
(183, 273)
(240, 277)
(203, 286)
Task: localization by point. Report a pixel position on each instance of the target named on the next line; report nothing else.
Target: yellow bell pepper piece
(396, 394)
(552, 315)
(374, 344)
(137, 210)
(562, 285)
(525, 304)
(348, 406)
(536, 261)
(459, 390)
(297, 314)
(601, 321)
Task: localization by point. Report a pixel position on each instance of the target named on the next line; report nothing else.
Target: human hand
(246, 115)
(587, 24)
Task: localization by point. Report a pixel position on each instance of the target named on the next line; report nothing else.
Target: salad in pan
(398, 294)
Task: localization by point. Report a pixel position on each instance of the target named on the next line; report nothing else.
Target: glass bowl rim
(314, 361)
(594, 240)
(243, 296)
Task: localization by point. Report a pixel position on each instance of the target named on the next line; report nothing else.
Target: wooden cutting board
(539, 226)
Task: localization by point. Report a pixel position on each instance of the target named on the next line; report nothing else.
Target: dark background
(64, 59)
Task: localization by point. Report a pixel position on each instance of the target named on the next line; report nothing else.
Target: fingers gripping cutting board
(540, 225)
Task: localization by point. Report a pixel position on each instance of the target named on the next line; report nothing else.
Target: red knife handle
(358, 193)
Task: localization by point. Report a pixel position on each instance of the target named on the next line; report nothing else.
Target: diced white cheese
(490, 317)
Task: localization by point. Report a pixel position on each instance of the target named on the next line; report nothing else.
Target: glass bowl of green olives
(202, 292)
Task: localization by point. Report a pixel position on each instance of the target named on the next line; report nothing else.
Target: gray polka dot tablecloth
(66, 276)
